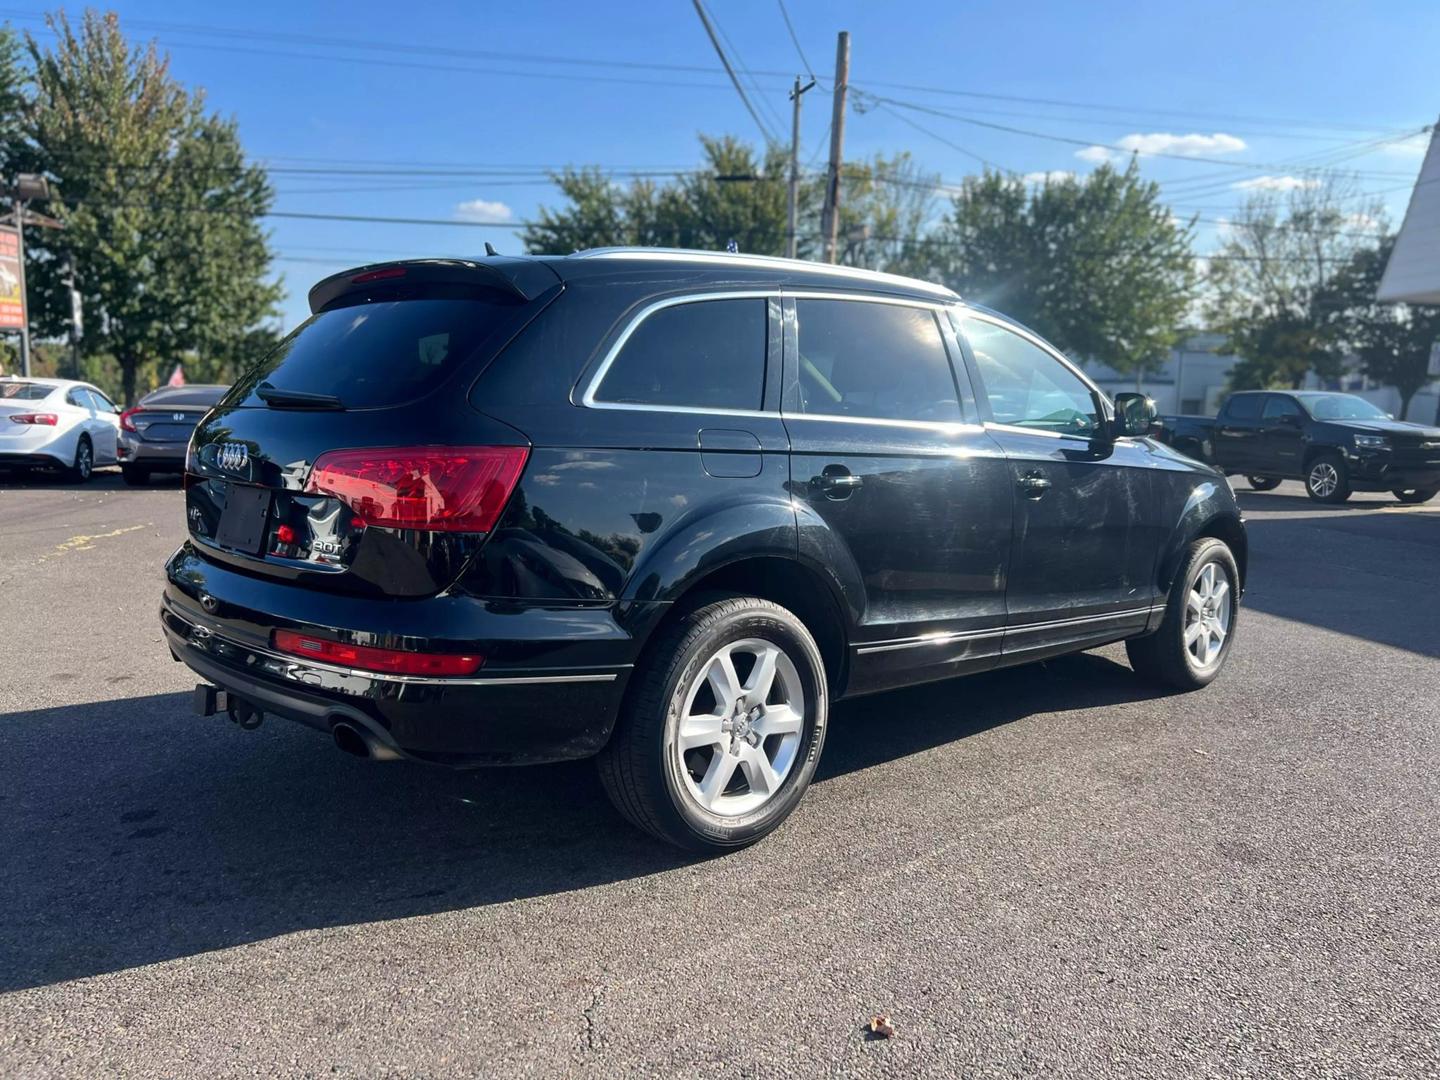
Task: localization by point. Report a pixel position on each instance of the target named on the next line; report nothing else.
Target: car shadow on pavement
(106, 478)
(134, 833)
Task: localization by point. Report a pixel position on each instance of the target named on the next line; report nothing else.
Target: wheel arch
(1208, 511)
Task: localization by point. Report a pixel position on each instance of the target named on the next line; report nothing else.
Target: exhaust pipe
(357, 738)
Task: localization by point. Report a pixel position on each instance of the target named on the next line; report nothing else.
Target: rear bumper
(133, 451)
(517, 710)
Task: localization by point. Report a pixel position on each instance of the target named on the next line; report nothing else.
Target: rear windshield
(185, 395)
(378, 353)
(24, 391)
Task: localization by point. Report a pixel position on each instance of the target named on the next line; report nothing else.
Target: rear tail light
(49, 419)
(445, 489)
(126, 423)
(367, 658)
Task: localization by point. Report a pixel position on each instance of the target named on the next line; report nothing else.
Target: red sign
(12, 297)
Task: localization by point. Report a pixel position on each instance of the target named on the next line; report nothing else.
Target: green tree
(161, 212)
(740, 194)
(1391, 341)
(1268, 279)
(1097, 265)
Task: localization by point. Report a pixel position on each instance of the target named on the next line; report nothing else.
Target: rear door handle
(1033, 485)
(837, 482)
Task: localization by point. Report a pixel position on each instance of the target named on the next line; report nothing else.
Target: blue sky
(426, 91)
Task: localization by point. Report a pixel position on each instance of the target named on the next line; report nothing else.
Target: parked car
(665, 508)
(1336, 443)
(155, 432)
(56, 424)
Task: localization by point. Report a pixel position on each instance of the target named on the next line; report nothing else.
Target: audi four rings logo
(233, 456)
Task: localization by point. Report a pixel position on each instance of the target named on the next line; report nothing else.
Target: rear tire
(1413, 496)
(134, 475)
(710, 757)
(1327, 480)
(1263, 483)
(1201, 618)
(84, 465)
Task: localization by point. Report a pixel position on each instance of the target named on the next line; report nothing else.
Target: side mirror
(1135, 414)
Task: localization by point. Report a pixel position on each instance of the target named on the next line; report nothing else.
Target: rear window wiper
(296, 399)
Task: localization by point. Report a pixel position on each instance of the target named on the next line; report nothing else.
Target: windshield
(1341, 407)
(375, 354)
(25, 391)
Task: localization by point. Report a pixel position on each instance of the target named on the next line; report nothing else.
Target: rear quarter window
(1243, 407)
(380, 353)
(709, 354)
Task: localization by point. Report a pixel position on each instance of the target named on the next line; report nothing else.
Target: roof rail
(771, 262)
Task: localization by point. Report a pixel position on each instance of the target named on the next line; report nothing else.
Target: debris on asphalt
(881, 1027)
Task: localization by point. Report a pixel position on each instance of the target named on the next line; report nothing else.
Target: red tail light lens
(49, 419)
(126, 423)
(459, 489)
(366, 658)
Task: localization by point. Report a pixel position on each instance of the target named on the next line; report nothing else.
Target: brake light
(459, 489)
(126, 424)
(378, 275)
(367, 658)
(49, 419)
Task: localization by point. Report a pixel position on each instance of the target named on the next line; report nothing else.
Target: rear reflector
(445, 489)
(366, 658)
(49, 419)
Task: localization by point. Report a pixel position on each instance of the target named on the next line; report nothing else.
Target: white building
(1191, 380)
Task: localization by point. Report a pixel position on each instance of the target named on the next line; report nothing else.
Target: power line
(720, 52)
(796, 41)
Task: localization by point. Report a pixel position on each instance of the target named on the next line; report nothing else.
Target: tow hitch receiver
(210, 700)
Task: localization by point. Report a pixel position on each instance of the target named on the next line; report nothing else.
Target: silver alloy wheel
(1323, 479)
(740, 728)
(1207, 615)
(84, 460)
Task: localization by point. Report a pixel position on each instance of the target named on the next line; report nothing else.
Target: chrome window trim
(587, 397)
(997, 631)
(961, 428)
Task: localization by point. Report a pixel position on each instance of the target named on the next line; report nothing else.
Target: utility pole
(791, 238)
(830, 221)
(24, 296)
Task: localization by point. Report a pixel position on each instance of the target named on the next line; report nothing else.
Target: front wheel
(1263, 483)
(1328, 480)
(1195, 636)
(722, 728)
(1414, 495)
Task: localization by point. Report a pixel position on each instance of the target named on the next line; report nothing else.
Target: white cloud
(1054, 176)
(1413, 147)
(483, 210)
(1362, 222)
(1096, 154)
(1276, 183)
(1193, 145)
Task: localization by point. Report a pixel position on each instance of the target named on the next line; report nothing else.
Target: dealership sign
(12, 296)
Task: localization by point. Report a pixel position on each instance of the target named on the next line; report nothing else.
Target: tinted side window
(1026, 386)
(1243, 407)
(1277, 406)
(709, 354)
(876, 360)
(79, 398)
(102, 403)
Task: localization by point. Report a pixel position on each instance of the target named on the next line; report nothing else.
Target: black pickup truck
(1336, 443)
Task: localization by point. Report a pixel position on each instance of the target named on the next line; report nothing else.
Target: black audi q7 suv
(664, 507)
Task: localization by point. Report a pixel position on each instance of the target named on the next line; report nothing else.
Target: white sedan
(56, 423)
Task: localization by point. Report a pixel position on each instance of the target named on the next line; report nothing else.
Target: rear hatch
(350, 459)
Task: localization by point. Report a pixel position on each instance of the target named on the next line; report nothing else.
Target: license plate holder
(242, 522)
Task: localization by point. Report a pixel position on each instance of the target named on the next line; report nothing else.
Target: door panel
(1083, 551)
(1238, 437)
(1282, 442)
(921, 508)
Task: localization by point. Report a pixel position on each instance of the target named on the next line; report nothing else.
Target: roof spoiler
(525, 279)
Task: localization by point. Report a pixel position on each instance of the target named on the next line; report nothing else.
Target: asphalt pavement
(1044, 871)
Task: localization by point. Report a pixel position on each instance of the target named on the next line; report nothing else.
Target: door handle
(1033, 485)
(837, 482)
